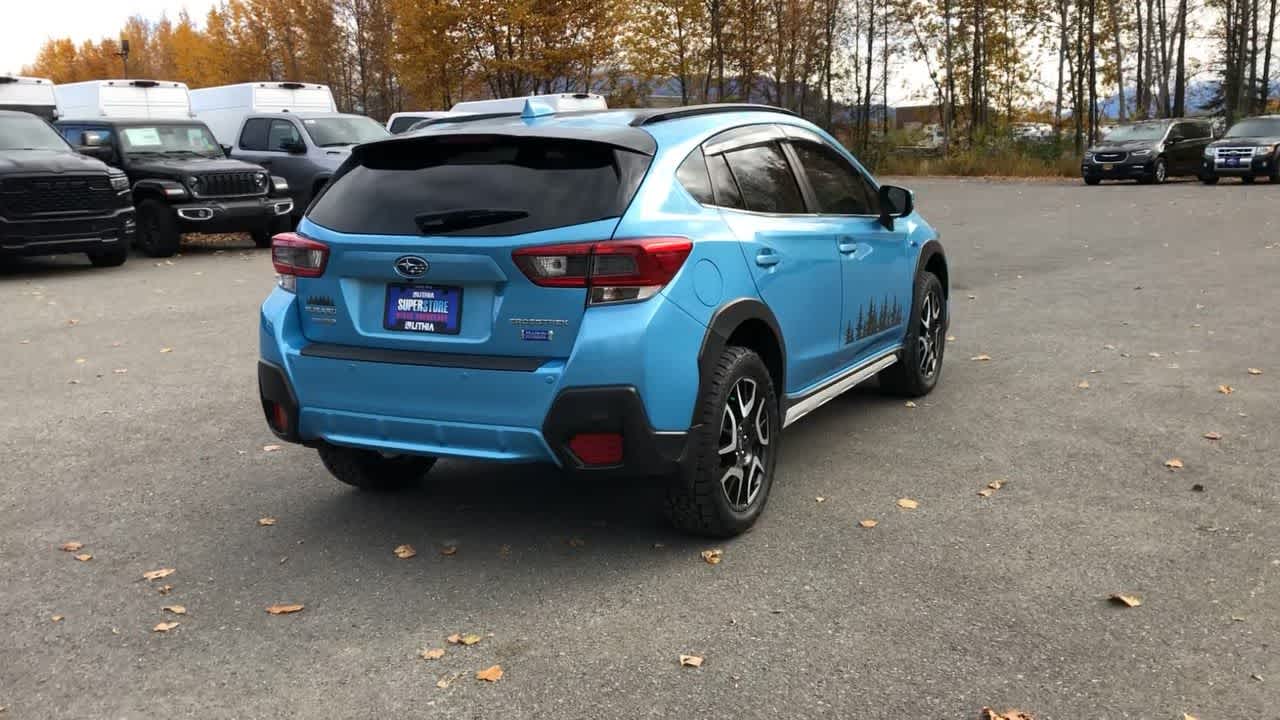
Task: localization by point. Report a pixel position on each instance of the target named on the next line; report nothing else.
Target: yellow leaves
(911, 403)
(71, 546)
(1129, 601)
(1083, 384)
(951, 338)
(120, 371)
(157, 574)
(1255, 371)
(908, 504)
(490, 674)
(84, 557)
(819, 499)
(165, 627)
(404, 552)
(868, 523)
(991, 488)
(989, 714)
(81, 361)
(1174, 463)
(712, 557)
(57, 618)
(266, 521)
(432, 654)
(693, 661)
(1226, 389)
(285, 608)
(1188, 716)
(470, 639)
(270, 448)
(1213, 435)
(165, 350)
(454, 639)
(983, 357)
(175, 609)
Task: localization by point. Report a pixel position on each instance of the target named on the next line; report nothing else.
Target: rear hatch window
(478, 185)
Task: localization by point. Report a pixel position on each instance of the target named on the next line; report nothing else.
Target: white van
(224, 108)
(133, 99)
(559, 103)
(28, 94)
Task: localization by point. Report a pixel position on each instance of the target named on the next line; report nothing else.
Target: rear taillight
(612, 271)
(296, 256)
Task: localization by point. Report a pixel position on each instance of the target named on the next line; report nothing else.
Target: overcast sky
(26, 24)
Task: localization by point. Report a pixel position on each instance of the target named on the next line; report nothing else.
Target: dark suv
(183, 182)
(1149, 152)
(53, 200)
(1247, 151)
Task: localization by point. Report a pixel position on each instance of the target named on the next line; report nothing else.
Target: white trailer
(127, 99)
(224, 108)
(28, 94)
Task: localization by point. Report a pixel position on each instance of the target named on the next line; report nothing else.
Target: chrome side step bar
(836, 387)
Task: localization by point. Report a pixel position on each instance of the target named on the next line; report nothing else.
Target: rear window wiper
(438, 222)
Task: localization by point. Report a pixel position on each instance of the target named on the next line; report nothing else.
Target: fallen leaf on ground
(1256, 676)
(270, 448)
(1237, 618)
(81, 361)
(166, 350)
(56, 618)
(1213, 435)
(951, 338)
(712, 557)
(908, 504)
(986, 492)
(1255, 371)
(164, 589)
(470, 639)
(1126, 600)
(575, 542)
(72, 323)
(285, 608)
(454, 639)
(265, 521)
(692, 661)
(120, 371)
(1083, 384)
(996, 484)
(820, 499)
(432, 654)
(157, 574)
(490, 674)
(165, 626)
(175, 609)
(981, 358)
(868, 523)
(1153, 354)
(84, 557)
(1226, 389)
(442, 683)
(1173, 463)
(1197, 488)
(989, 714)
(71, 546)
(1188, 716)
(449, 550)
(404, 552)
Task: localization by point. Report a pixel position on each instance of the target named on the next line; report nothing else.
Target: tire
(114, 257)
(1247, 179)
(1092, 180)
(1159, 173)
(157, 229)
(725, 483)
(1209, 179)
(920, 365)
(369, 470)
(262, 235)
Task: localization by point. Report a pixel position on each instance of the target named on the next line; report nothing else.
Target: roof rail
(460, 119)
(657, 116)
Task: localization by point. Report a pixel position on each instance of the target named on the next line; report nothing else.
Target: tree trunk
(1264, 92)
(949, 102)
(1093, 72)
(871, 61)
(1180, 68)
(1139, 89)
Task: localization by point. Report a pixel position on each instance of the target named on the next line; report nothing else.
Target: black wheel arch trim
(612, 409)
(157, 188)
(724, 322)
(931, 249)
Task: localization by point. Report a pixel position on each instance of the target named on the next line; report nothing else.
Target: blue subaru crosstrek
(657, 292)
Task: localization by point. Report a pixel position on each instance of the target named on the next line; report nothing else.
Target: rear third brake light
(296, 256)
(613, 271)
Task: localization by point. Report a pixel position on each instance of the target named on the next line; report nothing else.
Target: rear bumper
(66, 235)
(218, 216)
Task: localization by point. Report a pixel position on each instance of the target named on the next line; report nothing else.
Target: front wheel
(1092, 180)
(917, 370)
(157, 229)
(369, 470)
(732, 450)
(114, 257)
(1247, 179)
(1159, 173)
(1209, 179)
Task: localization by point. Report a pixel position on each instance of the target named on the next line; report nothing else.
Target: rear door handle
(767, 258)
(847, 246)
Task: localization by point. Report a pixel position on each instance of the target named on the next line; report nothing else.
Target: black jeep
(54, 201)
(183, 182)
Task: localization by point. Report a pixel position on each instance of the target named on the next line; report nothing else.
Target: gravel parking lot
(131, 424)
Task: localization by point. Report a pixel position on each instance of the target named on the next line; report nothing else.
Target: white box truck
(224, 108)
(134, 99)
(28, 94)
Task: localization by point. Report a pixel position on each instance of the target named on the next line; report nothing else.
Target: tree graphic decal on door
(873, 319)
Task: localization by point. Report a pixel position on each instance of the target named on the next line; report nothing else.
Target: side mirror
(295, 147)
(226, 150)
(895, 202)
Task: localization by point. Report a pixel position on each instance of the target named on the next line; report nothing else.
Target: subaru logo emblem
(411, 266)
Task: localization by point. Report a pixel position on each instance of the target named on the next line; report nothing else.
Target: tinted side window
(694, 177)
(282, 135)
(765, 178)
(840, 189)
(723, 184)
(73, 135)
(254, 135)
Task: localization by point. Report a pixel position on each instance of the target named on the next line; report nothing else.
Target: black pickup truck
(55, 201)
(183, 182)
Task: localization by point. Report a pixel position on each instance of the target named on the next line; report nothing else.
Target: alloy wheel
(929, 343)
(744, 444)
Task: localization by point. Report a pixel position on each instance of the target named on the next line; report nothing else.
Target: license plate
(1108, 167)
(423, 308)
(1233, 162)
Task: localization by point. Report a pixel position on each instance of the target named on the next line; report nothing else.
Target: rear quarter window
(385, 187)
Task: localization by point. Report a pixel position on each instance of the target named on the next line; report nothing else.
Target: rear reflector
(613, 270)
(296, 256)
(597, 448)
(279, 417)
